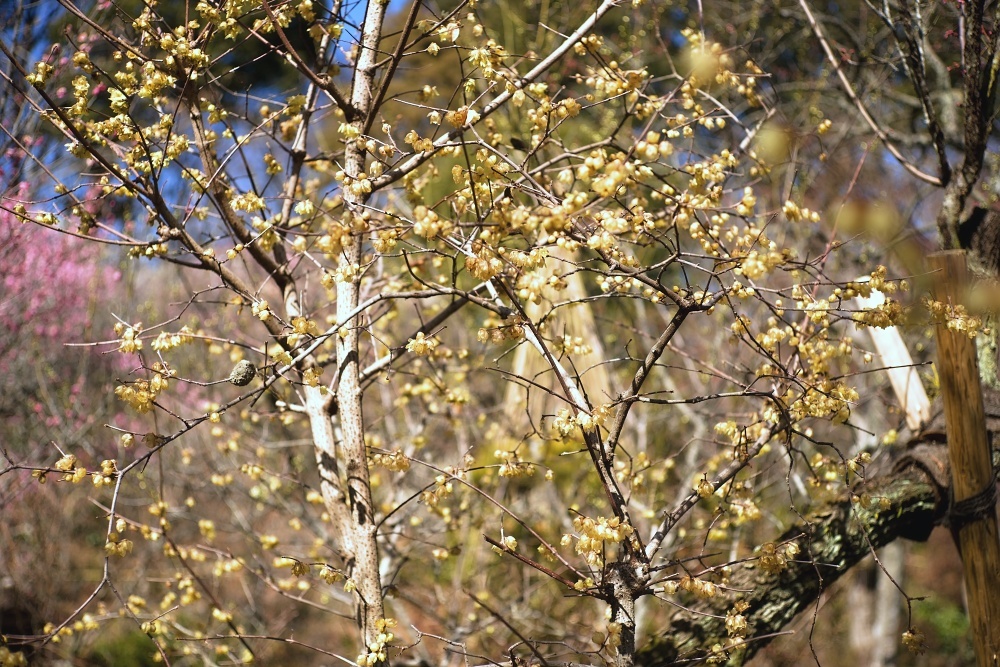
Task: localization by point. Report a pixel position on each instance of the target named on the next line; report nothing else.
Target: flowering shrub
(560, 316)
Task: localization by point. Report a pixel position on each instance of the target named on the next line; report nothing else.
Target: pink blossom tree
(50, 283)
(51, 395)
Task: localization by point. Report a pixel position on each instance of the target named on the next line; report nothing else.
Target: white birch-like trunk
(358, 531)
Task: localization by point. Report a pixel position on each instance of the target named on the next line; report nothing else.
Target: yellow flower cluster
(857, 463)
(774, 558)
(432, 497)
(704, 488)
(9, 658)
(385, 240)
(497, 332)
(421, 345)
(612, 81)
(395, 461)
(332, 242)
(330, 574)
(484, 265)
(311, 377)
(954, 317)
(109, 471)
(303, 328)
(247, 201)
(566, 422)
(534, 285)
(914, 641)
(86, 623)
(272, 165)
(377, 647)
(826, 399)
(699, 587)
(41, 74)
(869, 502)
(612, 639)
(73, 473)
(593, 536)
(794, 213)
(141, 393)
(528, 261)
(512, 465)
(117, 546)
(261, 310)
(129, 335)
(168, 341)
(889, 313)
(736, 622)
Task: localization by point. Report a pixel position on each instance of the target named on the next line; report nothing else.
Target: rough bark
(832, 541)
(980, 64)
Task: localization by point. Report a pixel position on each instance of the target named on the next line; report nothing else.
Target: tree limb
(832, 541)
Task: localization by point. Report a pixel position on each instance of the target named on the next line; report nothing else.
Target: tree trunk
(874, 603)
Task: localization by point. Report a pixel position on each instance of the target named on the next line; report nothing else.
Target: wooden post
(969, 454)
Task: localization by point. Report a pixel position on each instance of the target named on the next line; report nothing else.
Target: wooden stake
(969, 453)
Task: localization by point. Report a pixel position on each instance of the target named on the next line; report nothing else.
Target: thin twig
(849, 90)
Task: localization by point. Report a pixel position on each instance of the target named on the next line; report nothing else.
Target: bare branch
(849, 91)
